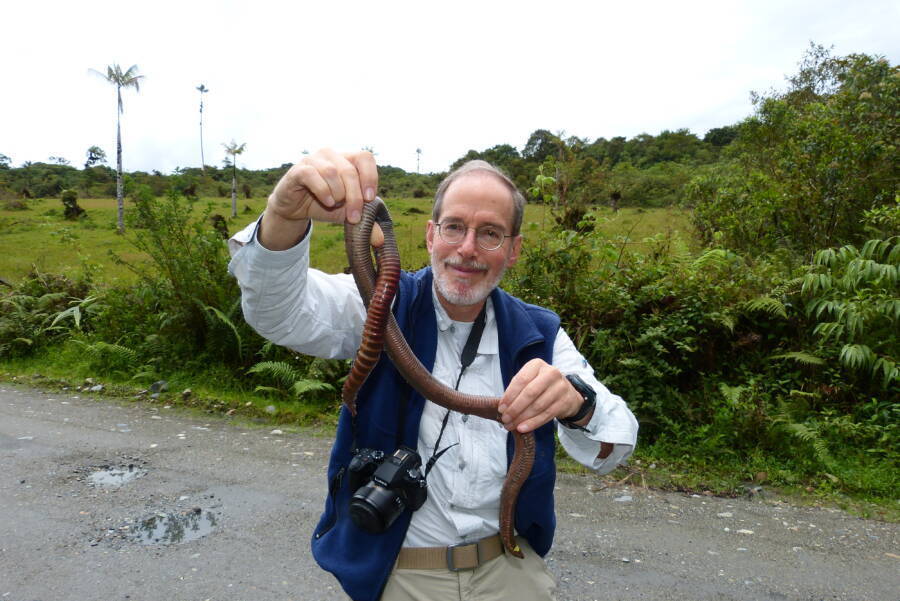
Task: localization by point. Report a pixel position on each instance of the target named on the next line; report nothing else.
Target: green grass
(41, 237)
(215, 390)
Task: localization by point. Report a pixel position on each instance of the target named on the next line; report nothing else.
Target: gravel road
(108, 500)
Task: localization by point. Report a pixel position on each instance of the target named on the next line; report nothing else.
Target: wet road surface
(106, 500)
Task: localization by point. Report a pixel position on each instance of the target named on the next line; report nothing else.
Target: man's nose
(469, 245)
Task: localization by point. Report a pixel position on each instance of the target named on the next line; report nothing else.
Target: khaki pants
(500, 579)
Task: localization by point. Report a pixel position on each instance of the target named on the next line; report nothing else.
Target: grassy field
(39, 236)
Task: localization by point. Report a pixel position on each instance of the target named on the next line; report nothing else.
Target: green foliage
(800, 357)
(79, 309)
(810, 162)
(37, 312)
(651, 324)
(184, 295)
(71, 210)
(108, 358)
(852, 295)
(658, 185)
(721, 355)
(721, 136)
(287, 381)
(394, 182)
(95, 156)
(37, 180)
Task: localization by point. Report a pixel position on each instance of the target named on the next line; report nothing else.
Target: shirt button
(462, 465)
(465, 417)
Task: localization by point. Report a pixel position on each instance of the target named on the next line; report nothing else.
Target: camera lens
(374, 508)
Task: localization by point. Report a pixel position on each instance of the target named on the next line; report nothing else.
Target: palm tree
(203, 90)
(120, 79)
(95, 156)
(234, 150)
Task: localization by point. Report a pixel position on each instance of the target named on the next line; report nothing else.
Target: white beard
(464, 296)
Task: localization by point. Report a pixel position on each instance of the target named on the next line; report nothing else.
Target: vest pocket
(331, 512)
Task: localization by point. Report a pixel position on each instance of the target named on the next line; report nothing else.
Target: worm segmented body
(376, 321)
(381, 328)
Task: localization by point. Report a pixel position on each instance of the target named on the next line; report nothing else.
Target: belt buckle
(451, 565)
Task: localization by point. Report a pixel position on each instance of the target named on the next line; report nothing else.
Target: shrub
(729, 356)
(41, 309)
(809, 163)
(185, 297)
(852, 296)
(71, 210)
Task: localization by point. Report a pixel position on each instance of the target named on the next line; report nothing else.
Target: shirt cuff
(246, 242)
(584, 445)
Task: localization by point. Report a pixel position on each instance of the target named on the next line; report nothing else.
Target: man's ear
(429, 235)
(514, 251)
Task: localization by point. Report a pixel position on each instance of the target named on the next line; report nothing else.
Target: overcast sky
(445, 77)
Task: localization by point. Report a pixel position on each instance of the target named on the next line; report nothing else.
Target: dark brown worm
(376, 320)
(356, 239)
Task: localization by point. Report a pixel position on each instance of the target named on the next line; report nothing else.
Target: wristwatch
(589, 402)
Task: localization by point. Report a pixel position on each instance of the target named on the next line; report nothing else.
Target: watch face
(587, 393)
(583, 389)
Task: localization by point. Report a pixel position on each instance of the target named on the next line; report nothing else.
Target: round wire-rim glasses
(488, 237)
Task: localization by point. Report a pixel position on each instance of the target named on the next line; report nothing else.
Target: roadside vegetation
(739, 290)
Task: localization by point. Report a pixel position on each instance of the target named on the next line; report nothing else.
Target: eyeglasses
(488, 237)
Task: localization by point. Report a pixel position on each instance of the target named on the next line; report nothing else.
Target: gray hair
(479, 166)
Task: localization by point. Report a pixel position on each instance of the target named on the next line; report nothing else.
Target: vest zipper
(333, 488)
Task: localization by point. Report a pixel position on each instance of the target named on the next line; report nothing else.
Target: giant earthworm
(377, 293)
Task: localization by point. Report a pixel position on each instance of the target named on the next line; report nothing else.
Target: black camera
(385, 486)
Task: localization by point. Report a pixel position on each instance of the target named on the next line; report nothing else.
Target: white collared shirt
(323, 315)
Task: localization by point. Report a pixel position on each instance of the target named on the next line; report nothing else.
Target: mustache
(458, 262)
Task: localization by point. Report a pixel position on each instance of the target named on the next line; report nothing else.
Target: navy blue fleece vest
(361, 561)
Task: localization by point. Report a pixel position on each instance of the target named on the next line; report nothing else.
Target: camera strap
(468, 355)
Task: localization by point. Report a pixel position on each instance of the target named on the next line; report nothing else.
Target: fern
(289, 382)
(732, 394)
(715, 258)
(766, 304)
(807, 433)
(108, 357)
(811, 437)
(301, 387)
(283, 373)
(800, 357)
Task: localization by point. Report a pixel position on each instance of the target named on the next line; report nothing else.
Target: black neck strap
(468, 355)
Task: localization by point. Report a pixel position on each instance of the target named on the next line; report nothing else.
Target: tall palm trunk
(120, 197)
(234, 187)
(202, 160)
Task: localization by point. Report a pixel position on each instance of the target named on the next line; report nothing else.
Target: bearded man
(448, 548)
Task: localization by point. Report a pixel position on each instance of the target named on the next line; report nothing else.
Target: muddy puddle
(174, 528)
(114, 476)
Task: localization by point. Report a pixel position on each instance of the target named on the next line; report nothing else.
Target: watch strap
(589, 401)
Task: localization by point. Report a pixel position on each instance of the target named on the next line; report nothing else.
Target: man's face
(464, 273)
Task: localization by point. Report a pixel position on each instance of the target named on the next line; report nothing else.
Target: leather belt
(465, 556)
